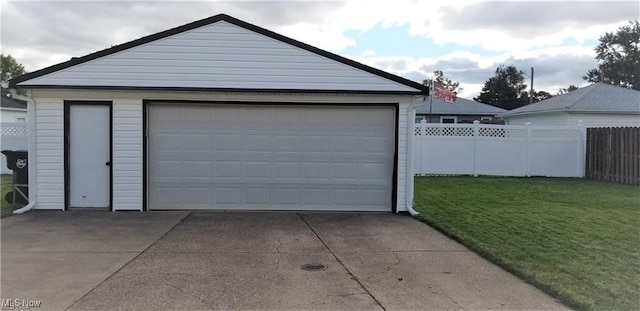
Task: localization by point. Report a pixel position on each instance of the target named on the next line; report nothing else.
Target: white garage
(219, 114)
(270, 157)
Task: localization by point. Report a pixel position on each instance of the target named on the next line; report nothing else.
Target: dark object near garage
(17, 162)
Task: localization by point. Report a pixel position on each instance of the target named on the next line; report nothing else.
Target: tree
(540, 96)
(438, 77)
(618, 56)
(9, 69)
(566, 90)
(506, 89)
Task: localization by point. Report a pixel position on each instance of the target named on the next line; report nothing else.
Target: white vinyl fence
(500, 150)
(14, 136)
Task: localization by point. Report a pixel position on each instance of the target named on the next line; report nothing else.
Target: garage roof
(461, 107)
(219, 53)
(595, 98)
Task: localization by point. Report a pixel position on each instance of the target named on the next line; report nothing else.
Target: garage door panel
(198, 141)
(228, 195)
(257, 142)
(228, 168)
(270, 157)
(315, 143)
(196, 195)
(228, 142)
(285, 195)
(260, 196)
(198, 169)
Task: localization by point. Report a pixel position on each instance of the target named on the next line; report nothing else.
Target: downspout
(409, 173)
(31, 161)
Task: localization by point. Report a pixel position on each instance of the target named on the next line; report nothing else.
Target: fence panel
(613, 154)
(13, 136)
(500, 150)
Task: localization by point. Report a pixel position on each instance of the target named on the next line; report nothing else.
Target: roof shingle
(461, 107)
(595, 98)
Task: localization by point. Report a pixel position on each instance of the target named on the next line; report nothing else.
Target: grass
(578, 240)
(6, 209)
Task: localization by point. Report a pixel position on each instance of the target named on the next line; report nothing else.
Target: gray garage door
(266, 157)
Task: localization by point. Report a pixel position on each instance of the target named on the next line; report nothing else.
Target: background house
(463, 111)
(12, 110)
(596, 105)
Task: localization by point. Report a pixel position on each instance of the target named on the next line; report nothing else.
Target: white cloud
(555, 67)
(369, 53)
(526, 33)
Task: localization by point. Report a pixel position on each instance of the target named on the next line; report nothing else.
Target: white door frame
(67, 132)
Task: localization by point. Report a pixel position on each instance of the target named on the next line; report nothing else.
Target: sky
(466, 39)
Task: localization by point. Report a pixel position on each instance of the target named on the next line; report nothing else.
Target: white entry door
(89, 156)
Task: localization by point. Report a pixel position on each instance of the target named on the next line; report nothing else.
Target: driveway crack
(457, 304)
(129, 262)
(355, 278)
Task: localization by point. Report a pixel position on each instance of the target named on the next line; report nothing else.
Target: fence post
(527, 171)
(421, 138)
(582, 150)
(476, 133)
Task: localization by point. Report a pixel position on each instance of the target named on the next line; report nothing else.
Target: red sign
(442, 92)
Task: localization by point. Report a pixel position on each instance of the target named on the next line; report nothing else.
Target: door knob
(108, 163)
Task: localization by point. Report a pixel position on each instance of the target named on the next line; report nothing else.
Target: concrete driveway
(216, 260)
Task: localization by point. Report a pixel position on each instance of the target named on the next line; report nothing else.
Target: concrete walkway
(216, 260)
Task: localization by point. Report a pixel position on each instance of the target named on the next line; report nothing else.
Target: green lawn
(578, 240)
(5, 186)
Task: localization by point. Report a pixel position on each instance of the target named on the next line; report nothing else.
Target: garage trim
(145, 146)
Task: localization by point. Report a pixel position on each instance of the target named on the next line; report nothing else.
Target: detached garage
(218, 114)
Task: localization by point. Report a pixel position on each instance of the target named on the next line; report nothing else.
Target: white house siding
(604, 120)
(127, 136)
(13, 115)
(565, 118)
(555, 118)
(403, 151)
(49, 167)
(219, 55)
(127, 154)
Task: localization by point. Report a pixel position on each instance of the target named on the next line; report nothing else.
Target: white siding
(10, 115)
(403, 148)
(50, 153)
(557, 118)
(127, 154)
(128, 135)
(219, 55)
(604, 120)
(568, 119)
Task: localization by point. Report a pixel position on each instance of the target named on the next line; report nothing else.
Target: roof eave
(630, 112)
(568, 111)
(514, 114)
(220, 90)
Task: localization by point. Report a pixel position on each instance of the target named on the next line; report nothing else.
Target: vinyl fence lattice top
(14, 129)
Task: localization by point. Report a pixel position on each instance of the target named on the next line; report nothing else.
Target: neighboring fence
(501, 150)
(13, 136)
(613, 154)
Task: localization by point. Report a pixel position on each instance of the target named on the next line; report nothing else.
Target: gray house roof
(461, 107)
(12, 103)
(595, 98)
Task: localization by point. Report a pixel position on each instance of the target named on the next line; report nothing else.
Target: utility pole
(531, 92)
